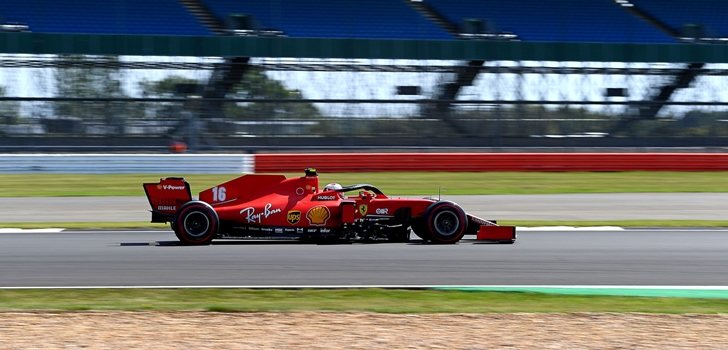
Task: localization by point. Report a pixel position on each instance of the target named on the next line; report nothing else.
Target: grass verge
(350, 300)
(404, 183)
(522, 223)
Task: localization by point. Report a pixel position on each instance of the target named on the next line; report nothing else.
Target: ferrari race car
(273, 206)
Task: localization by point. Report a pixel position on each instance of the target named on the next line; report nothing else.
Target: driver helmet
(332, 187)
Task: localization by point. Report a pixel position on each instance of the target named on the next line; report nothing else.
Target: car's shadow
(260, 242)
(252, 242)
(217, 243)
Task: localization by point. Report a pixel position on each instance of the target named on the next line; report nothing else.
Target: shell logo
(318, 215)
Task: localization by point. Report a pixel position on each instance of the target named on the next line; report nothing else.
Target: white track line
(569, 228)
(30, 230)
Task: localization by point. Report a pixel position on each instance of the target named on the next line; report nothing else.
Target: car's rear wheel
(445, 222)
(196, 223)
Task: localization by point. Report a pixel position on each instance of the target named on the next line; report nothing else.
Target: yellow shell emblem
(363, 209)
(318, 215)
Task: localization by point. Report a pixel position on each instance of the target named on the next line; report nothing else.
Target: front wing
(496, 233)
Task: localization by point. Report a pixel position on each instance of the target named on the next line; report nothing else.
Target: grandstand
(556, 21)
(472, 73)
(532, 20)
(165, 17)
(705, 16)
(375, 19)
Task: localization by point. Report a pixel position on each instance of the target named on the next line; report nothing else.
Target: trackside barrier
(355, 162)
(171, 164)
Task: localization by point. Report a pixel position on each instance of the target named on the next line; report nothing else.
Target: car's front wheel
(445, 222)
(420, 230)
(196, 223)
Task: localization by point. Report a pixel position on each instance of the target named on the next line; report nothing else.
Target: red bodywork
(272, 205)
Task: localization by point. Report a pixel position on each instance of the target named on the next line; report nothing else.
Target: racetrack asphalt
(148, 258)
(601, 206)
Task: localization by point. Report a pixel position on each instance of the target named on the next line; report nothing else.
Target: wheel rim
(446, 223)
(196, 224)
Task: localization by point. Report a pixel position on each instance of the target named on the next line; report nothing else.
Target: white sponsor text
(252, 217)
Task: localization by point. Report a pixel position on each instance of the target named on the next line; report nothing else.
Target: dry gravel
(208, 330)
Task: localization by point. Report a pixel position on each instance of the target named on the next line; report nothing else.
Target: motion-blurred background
(217, 75)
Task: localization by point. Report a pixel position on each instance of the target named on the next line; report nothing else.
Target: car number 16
(218, 194)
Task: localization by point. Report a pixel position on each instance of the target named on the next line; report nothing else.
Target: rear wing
(166, 196)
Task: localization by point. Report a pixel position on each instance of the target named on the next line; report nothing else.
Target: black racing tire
(445, 222)
(420, 230)
(196, 223)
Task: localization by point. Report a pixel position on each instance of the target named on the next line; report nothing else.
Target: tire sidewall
(441, 207)
(191, 208)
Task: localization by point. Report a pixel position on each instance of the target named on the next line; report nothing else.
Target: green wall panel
(39, 43)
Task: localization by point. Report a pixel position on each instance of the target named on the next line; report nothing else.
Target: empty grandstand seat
(556, 20)
(531, 20)
(376, 19)
(164, 17)
(710, 14)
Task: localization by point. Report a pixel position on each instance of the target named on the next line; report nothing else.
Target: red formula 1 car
(266, 206)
